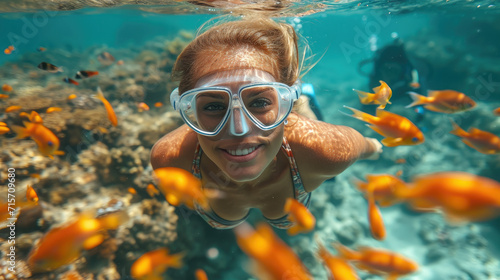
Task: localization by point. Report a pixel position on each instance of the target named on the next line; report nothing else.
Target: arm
(324, 150)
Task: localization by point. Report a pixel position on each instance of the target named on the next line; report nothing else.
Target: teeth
(241, 152)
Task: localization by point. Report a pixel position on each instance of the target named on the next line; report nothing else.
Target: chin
(242, 174)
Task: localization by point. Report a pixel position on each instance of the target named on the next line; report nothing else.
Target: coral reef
(100, 162)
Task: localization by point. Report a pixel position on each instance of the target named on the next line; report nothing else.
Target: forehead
(212, 61)
(235, 78)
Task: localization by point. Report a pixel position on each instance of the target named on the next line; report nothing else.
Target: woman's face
(241, 157)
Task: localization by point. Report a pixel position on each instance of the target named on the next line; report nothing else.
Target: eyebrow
(212, 94)
(255, 92)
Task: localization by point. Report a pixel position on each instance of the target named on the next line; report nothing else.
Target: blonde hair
(278, 41)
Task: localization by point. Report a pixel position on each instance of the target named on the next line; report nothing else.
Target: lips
(241, 153)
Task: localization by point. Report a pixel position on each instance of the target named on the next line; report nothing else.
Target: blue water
(455, 47)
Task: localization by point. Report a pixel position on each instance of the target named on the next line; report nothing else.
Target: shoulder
(322, 150)
(175, 149)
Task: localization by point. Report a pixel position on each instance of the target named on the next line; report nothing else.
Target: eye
(50, 143)
(214, 107)
(414, 139)
(260, 103)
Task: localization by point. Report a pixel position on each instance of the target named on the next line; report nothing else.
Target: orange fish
(47, 141)
(34, 117)
(496, 112)
(3, 96)
(153, 264)
(397, 129)
(383, 188)
(82, 74)
(53, 109)
(273, 259)
(483, 141)
(6, 87)
(158, 104)
(120, 62)
(63, 245)
(142, 107)
(200, 274)
(71, 96)
(377, 227)
(460, 196)
(300, 216)
(13, 108)
(41, 49)
(151, 190)
(109, 109)
(31, 196)
(181, 187)
(132, 190)
(443, 101)
(380, 262)
(381, 95)
(380, 186)
(9, 50)
(4, 129)
(338, 268)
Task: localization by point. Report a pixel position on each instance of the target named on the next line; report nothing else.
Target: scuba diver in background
(392, 65)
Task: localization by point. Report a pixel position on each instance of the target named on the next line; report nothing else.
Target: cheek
(277, 137)
(206, 143)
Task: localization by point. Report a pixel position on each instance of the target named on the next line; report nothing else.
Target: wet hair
(277, 41)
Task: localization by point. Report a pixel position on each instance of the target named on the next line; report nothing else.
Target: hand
(377, 148)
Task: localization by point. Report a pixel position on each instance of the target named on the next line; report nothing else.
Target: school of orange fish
(461, 197)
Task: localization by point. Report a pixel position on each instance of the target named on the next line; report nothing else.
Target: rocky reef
(101, 163)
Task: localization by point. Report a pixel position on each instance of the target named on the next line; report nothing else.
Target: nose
(238, 121)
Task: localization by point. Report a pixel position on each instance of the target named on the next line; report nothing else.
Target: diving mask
(235, 96)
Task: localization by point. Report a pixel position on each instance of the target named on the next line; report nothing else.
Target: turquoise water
(452, 44)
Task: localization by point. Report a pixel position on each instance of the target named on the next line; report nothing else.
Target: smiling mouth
(241, 152)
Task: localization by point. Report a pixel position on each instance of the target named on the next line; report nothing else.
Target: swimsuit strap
(299, 191)
(195, 169)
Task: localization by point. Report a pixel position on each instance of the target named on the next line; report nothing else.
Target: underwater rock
(71, 275)
(147, 57)
(154, 225)
(435, 253)
(163, 124)
(23, 245)
(349, 233)
(97, 159)
(127, 163)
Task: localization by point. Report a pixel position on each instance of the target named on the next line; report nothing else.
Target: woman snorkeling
(238, 83)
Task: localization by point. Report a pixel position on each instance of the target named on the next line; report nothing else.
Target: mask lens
(206, 110)
(266, 104)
